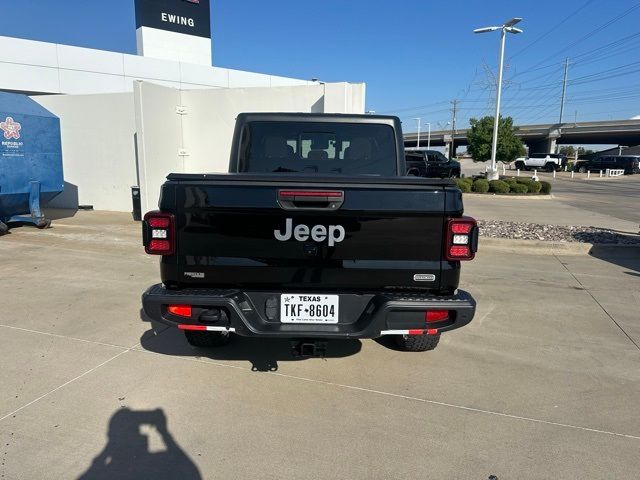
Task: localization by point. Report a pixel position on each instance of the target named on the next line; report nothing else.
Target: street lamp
(418, 143)
(508, 26)
(429, 136)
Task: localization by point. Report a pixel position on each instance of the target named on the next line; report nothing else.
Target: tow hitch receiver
(308, 348)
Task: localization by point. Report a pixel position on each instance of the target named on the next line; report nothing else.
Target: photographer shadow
(263, 353)
(127, 454)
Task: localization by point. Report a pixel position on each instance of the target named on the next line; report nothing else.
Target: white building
(131, 119)
(31, 67)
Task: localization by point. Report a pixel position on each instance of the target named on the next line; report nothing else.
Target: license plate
(308, 308)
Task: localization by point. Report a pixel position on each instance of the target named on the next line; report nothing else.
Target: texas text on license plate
(308, 308)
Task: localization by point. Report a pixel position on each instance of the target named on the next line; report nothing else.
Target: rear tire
(417, 343)
(550, 167)
(519, 165)
(582, 170)
(4, 228)
(206, 339)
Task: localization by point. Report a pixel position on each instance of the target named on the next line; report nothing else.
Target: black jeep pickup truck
(316, 233)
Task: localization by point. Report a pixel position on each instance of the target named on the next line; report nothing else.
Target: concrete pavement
(542, 384)
(618, 197)
(542, 210)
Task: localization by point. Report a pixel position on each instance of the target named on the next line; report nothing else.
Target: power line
(606, 47)
(551, 30)
(591, 33)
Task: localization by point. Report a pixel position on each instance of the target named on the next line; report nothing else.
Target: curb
(510, 197)
(537, 247)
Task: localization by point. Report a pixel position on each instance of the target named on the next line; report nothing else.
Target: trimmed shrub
(509, 180)
(524, 180)
(518, 188)
(462, 185)
(481, 186)
(545, 188)
(534, 187)
(498, 186)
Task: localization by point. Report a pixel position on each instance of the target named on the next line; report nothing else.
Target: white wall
(159, 139)
(344, 97)
(30, 66)
(98, 149)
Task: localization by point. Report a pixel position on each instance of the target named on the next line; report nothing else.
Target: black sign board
(183, 16)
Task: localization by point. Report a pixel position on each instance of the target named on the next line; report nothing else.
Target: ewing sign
(182, 16)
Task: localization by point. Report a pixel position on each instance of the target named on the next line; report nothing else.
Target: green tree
(583, 151)
(481, 134)
(568, 150)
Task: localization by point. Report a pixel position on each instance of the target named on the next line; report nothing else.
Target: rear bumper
(256, 313)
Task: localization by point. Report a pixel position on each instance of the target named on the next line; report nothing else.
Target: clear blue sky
(414, 55)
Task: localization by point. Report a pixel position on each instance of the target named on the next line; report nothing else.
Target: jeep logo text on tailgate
(318, 233)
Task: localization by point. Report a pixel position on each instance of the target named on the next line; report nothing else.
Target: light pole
(508, 26)
(429, 136)
(419, 120)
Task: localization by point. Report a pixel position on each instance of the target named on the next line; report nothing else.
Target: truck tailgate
(236, 232)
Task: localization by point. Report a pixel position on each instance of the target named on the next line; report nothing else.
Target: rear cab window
(318, 147)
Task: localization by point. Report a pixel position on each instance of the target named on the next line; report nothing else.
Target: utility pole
(418, 142)
(452, 150)
(564, 88)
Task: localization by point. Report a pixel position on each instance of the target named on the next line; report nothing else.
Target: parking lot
(544, 383)
(603, 202)
(617, 197)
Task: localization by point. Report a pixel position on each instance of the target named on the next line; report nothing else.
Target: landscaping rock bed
(554, 233)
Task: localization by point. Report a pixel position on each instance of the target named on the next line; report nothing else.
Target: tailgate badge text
(318, 233)
(194, 274)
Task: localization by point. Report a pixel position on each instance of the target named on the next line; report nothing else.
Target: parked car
(629, 163)
(316, 232)
(431, 164)
(542, 161)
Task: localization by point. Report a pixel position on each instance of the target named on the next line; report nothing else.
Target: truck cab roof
(317, 143)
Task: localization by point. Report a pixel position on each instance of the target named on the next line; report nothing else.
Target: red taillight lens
(180, 310)
(159, 233)
(461, 239)
(159, 246)
(159, 222)
(458, 251)
(436, 315)
(461, 228)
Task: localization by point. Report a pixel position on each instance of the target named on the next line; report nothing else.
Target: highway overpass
(545, 137)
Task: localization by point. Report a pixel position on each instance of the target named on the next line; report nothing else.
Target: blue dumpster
(30, 160)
